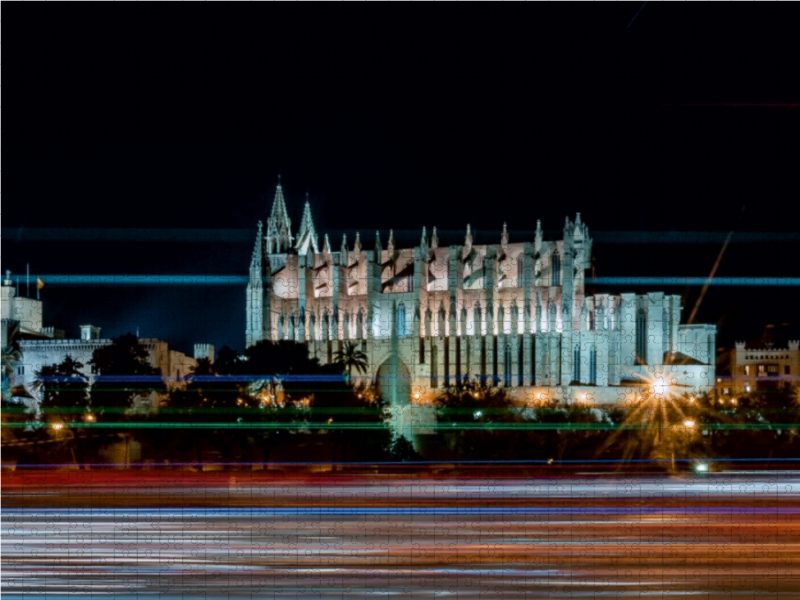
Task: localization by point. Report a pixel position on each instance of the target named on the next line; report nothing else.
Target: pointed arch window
(576, 362)
(641, 337)
(401, 320)
(556, 268)
(593, 366)
(507, 363)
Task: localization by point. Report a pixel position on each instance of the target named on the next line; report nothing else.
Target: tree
(350, 357)
(11, 357)
(64, 390)
(124, 373)
(475, 418)
(402, 450)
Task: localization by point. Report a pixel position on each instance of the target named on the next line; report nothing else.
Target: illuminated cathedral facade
(514, 314)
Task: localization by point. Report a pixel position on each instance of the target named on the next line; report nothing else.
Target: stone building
(769, 361)
(41, 346)
(515, 313)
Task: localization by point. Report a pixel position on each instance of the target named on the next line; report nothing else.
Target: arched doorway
(393, 380)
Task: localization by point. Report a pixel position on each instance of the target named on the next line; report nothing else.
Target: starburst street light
(689, 423)
(58, 426)
(660, 387)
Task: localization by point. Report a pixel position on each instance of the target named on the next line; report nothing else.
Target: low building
(766, 362)
(42, 346)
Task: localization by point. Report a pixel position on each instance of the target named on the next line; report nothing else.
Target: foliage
(350, 357)
(64, 390)
(402, 450)
(11, 356)
(470, 409)
(124, 373)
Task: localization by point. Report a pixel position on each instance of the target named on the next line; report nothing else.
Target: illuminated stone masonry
(515, 314)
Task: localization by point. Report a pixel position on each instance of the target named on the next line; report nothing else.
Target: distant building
(42, 346)
(515, 313)
(772, 359)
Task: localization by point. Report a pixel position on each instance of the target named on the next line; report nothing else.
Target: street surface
(123, 534)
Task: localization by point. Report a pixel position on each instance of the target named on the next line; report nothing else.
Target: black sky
(396, 118)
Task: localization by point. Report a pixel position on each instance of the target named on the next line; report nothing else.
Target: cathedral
(515, 314)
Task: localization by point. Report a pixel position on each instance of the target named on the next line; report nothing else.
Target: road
(234, 535)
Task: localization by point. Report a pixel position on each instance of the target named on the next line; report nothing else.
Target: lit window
(556, 268)
(747, 369)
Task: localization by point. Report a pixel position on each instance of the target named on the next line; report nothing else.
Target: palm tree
(351, 357)
(11, 358)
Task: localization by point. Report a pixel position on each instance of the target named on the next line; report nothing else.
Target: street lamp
(689, 423)
(58, 426)
(660, 387)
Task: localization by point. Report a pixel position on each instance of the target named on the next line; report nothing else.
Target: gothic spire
(307, 236)
(279, 225)
(434, 240)
(343, 249)
(390, 243)
(468, 238)
(258, 250)
(378, 248)
(357, 244)
(327, 248)
(504, 236)
(423, 243)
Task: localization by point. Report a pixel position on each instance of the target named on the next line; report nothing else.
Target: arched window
(576, 363)
(641, 337)
(401, 320)
(556, 268)
(507, 363)
(593, 366)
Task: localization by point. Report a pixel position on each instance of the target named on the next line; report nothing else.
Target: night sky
(685, 120)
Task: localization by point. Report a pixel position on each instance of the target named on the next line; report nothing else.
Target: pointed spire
(504, 236)
(537, 243)
(468, 238)
(378, 248)
(423, 243)
(343, 249)
(579, 227)
(327, 248)
(357, 244)
(258, 249)
(279, 225)
(307, 236)
(390, 243)
(434, 239)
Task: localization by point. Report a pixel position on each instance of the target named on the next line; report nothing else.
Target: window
(725, 391)
(507, 362)
(401, 320)
(576, 361)
(556, 268)
(21, 370)
(641, 337)
(593, 366)
(747, 369)
(786, 370)
(762, 369)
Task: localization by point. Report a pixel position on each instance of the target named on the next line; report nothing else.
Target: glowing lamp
(660, 387)
(689, 422)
